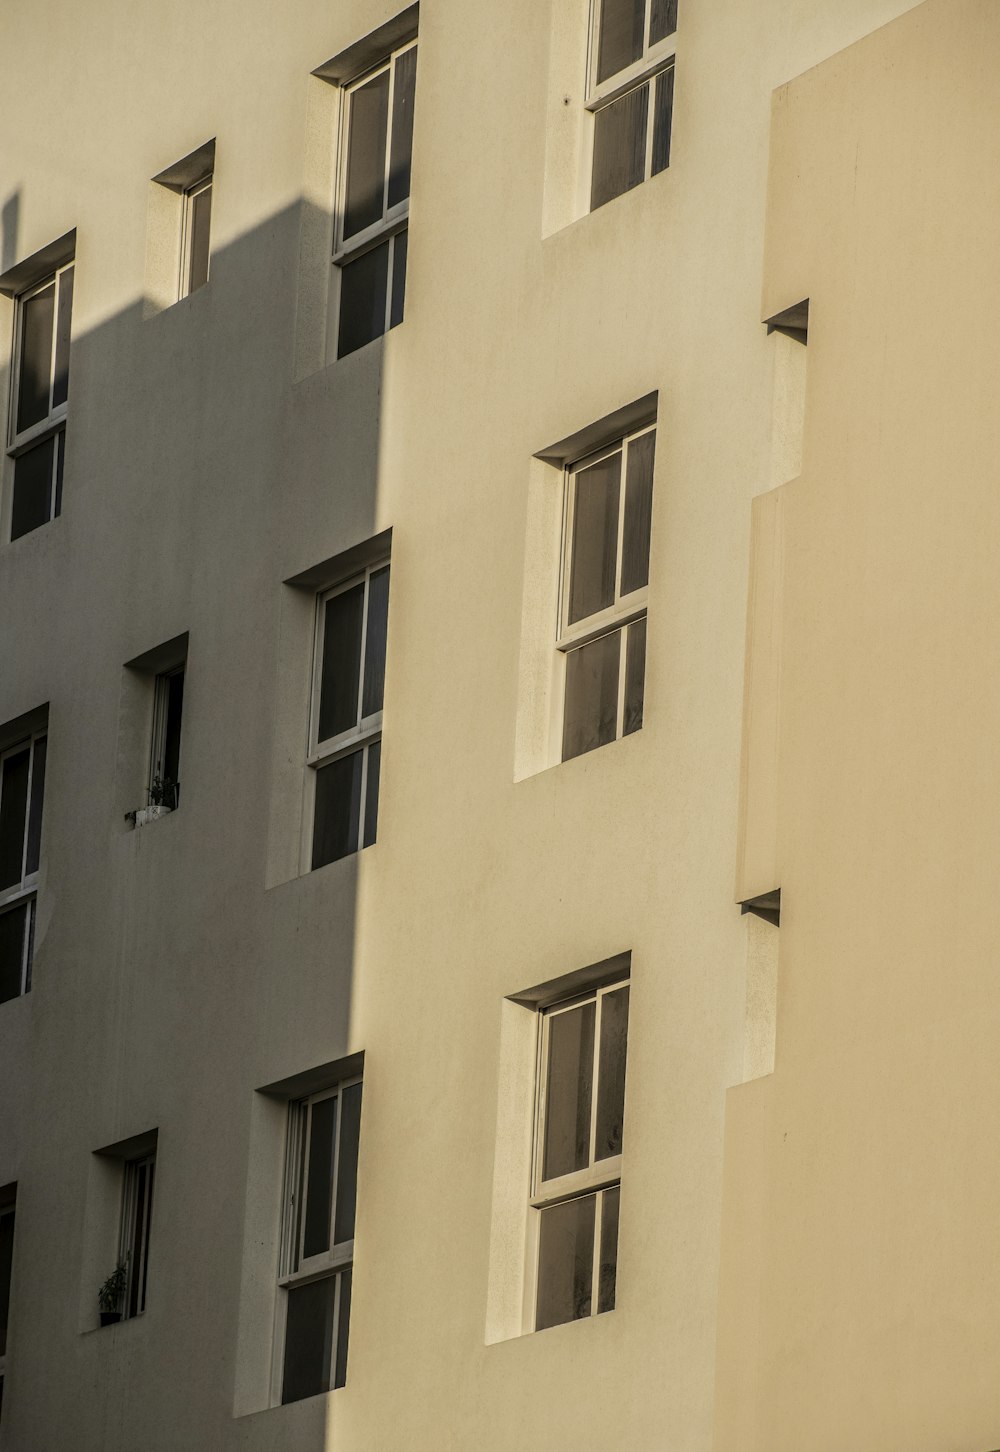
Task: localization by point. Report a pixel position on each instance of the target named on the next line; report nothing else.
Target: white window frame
(366, 731)
(10, 896)
(54, 421)
(643, 72)
(394, 218)
(25, 891)
(597, 1176)
(654, 58)
(625, 609)
(293, 1268)
(126, 1234)
(203, 184)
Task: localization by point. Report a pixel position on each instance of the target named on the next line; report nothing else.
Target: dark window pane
(340, 672)
(64, 314)
(619, 40)
(662, 117)
(6, 1261)
(308, 1339)
(638, 512)
(347, 1165)
(662, 20)
(200, 223)
(174, 687)
(565, 1262)
(366, 154)
(362, 300)
(60, 465)
(619, 146)
(591, 714)
(609, 1249)
(12, 926)
(137, 1246)
(401, 146)
(36, 357)
(29, 955)
(595, 537)
(319, 1182)
(399, 248)
(378, 620)
(35, 806)
(150, 1175)
(568, 1090)
(32, 502)
(371, 793)
(338, 800)
(635, 676)
(343, 1326)
(611, 1075)
(13, 813)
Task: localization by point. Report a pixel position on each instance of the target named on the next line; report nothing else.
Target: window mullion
(338, 1125)
(364, 646)
(651, 84)
(388, 137)
(300, 1229)
(620, 542)
(596, 1052)
(595, 1290)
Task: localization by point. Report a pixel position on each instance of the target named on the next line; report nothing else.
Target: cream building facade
(476, 481)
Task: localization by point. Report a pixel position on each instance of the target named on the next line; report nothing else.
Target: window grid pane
(309, 1329)
(366, 154)
(14, 929)
(590, 717)
(60, 381)
(403, 91)
(662, 121)
(338, 802)
(363, 284)
(565, 1262)
(662, 20)
(619, 41)
(619, 146)
(319, 1177)
(595, 537)
(569, 1091)
(31, 505)
(200, 225)
(340, 670)
(14, 774)
(35, 374)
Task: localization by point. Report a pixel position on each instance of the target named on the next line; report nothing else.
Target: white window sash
(393, 218)
(596, 1174)
(135, 1273)
(624, 608)
(366, 728)
(29, 880)
(19, 443)
(187, 231)
(653, 58)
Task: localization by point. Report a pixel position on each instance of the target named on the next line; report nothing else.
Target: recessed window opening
(346, 730)
(165, 746)
(630, 92)
(579, 1136)
(602, 634)
(137, 1212)
(370, 240)
(40, 399)
(317, 1242)
(195, 235)
(22, 788)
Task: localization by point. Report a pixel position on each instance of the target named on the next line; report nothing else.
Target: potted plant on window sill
(111, 1296)
(162, 801)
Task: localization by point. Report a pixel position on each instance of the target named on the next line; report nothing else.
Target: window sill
(142, 816)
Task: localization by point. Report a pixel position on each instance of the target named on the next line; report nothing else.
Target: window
(371, 231)
(137, 1211)
(39, 400)
(346, 734)
(578, 1153)
(631, 93)
(195, 230)
(609, 498)
(165, 748)
(317, 1249)
(7, 1202)
(22, 788)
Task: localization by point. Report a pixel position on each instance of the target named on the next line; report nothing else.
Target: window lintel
(359, 57)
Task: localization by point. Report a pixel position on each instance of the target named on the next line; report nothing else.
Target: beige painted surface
(860, 1273)
(211, 457)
